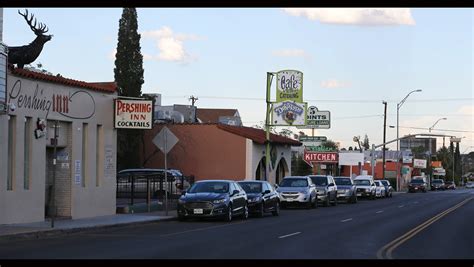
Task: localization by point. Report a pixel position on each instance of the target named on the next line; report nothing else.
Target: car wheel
(245, 215)
(228, 217)
(334, 203)
(261, 210)
(355, 199)
(326, 203)
(315, 203)
(276, 210)
(372, 197)
(309, 204)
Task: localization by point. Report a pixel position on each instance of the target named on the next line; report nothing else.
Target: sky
(351, 59)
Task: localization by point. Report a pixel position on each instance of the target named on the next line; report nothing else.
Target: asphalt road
(408, 226)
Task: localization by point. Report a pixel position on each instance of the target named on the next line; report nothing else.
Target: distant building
(223, 116)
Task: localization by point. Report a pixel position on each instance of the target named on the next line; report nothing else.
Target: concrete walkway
(61, 226)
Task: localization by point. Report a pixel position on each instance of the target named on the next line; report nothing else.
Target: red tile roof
(258, 135)
(211, 115)
(109, 87)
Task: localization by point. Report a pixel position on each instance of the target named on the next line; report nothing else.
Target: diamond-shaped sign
(165, 140)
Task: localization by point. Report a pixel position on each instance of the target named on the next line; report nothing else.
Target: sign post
(165, 140)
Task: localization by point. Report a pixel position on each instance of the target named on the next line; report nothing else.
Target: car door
(331, 188)
(268, 198)
(240, 198)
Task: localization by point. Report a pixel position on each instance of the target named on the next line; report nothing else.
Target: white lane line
(401, 206)
(380, 211)
(283, 236)
(346, 220)
(202, 229)
(415, 202)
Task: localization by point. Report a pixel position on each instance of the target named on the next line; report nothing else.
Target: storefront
(83, 173)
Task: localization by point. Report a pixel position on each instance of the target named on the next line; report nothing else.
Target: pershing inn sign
(133, 114)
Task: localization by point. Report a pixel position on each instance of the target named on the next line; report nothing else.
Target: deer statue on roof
(22, 55)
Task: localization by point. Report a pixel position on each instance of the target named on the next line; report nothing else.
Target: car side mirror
(235, 192)
(183, 192)
(266, 192)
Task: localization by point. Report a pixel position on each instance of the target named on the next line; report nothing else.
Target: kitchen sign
(133, 114)
(320, 157)
(289, 86)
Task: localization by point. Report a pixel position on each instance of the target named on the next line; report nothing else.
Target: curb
(57, 232)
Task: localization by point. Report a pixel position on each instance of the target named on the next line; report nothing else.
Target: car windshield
(437, 181)
(449, 182)
(251, 187)
(319, 180)
(385, 183)
(362, 182)
(417, 181)
(294, 183)
(377, 183)
(210, 187)
(343, 181)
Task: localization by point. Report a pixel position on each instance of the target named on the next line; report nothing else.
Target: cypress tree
(128, 73)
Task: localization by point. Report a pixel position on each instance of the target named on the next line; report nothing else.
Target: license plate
(289, 199)
(198, 211)
(359, 194)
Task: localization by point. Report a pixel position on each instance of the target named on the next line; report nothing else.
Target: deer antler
(37, 31)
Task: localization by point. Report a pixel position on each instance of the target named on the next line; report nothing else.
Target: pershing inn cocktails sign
(133, 114)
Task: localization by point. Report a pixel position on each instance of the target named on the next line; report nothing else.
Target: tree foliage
(128, 74)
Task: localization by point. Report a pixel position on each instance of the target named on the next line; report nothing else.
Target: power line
(330, 100)
(443, 130)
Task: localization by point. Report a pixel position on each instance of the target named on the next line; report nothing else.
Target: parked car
(213, 198)
(470, 184)
(379, 189)
(417, 185)
(450, 185)
(438, 184)
(297, 189)
(365, 186)
(346, 190)
(326, 189)
(261, 197)
(388, 188)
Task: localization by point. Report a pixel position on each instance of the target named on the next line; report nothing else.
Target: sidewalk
(62, 226)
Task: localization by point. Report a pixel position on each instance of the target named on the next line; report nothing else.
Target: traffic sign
(165, 140)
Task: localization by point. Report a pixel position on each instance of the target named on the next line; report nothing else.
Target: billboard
(289, 86)
(288, 113)
(351, 159)
(419, 163)
(133, 114)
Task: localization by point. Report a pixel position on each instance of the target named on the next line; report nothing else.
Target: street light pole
(384, 132)
(399, 105)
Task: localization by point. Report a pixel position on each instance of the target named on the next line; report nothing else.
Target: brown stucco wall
(203, 150)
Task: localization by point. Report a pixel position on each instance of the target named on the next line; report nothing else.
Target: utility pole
(193, 100)
(53, 198)
(384, 133)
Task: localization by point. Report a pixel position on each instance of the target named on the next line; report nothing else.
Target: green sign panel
(320, 149)
(289, 86)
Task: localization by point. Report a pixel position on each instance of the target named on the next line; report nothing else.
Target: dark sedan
(261, 197)
(438, 184)
(213, 198)
(417, 185)
(346, 190)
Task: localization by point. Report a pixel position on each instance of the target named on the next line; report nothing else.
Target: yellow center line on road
(386, 251)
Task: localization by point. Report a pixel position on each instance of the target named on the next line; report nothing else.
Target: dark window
(320, 180)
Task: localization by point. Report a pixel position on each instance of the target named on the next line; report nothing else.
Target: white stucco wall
(255, 153)
(22, 206)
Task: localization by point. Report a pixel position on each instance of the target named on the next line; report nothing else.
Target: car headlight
(367, 190)
(304, 191)
(218, 201)
(321, 192)
(181, 201)
(255, 199)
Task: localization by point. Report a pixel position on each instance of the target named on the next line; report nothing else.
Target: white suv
(365, 186)
(297, 189)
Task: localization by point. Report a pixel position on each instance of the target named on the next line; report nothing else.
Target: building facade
(219, 151)
(82, 175)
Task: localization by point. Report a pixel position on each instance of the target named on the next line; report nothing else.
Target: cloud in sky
(171, 46)
(291, 53)
(355, 16)
(334, 84)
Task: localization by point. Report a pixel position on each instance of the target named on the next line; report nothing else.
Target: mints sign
(133, 114)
